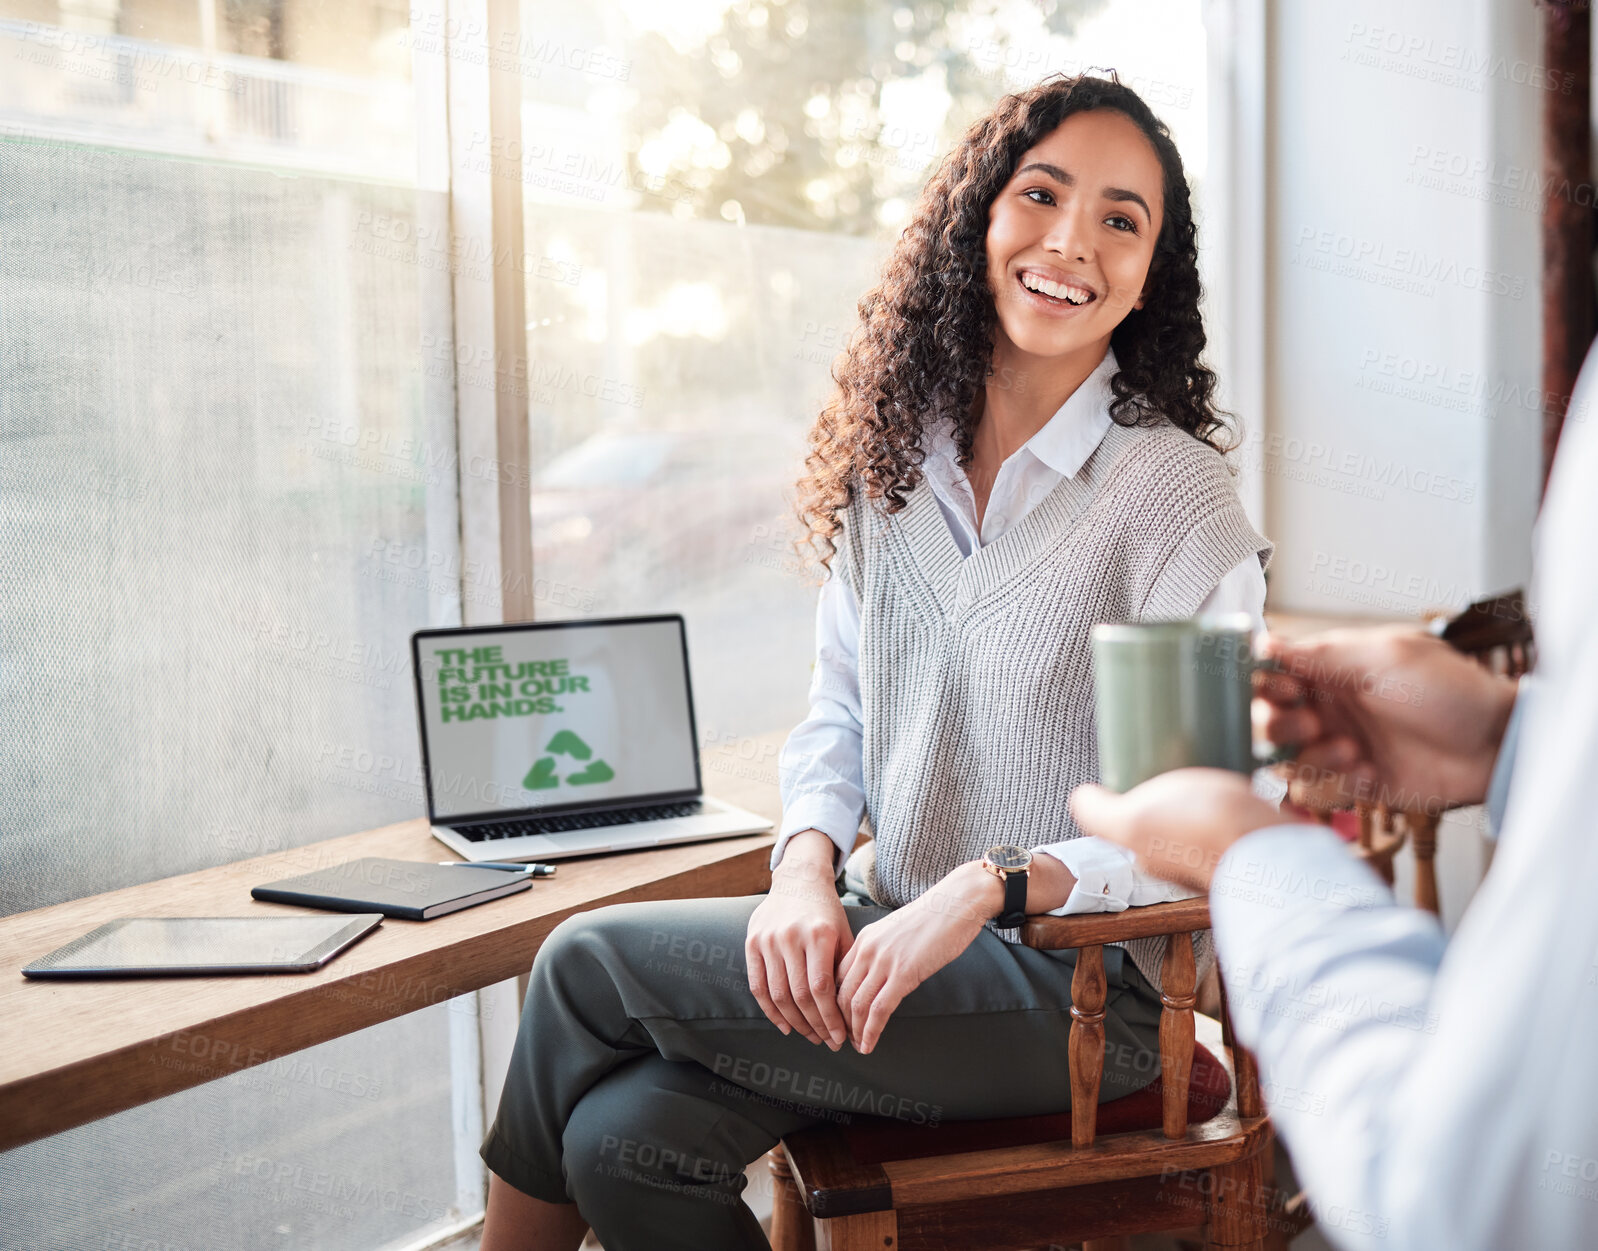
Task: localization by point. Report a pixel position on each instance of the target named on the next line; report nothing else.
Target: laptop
(543, 740)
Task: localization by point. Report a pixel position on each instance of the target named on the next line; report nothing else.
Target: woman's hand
(797, 934)
(893, 956)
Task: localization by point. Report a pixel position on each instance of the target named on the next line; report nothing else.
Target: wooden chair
(1030, 1182)
(1497, 633)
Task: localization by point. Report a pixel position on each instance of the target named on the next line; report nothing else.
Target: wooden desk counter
(71, 1052)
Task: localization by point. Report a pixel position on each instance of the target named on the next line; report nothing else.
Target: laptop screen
(530, 717)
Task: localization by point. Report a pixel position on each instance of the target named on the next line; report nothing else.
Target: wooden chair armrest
(1088, 934)
(1094, 929)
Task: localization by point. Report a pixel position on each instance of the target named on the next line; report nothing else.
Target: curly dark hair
(924, 343)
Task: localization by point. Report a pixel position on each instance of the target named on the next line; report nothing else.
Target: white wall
(1402, 302)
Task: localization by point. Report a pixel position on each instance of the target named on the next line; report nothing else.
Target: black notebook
(406, 889)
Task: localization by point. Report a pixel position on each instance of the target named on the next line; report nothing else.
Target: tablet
(157, 946)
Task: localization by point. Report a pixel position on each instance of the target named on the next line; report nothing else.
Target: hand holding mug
(1386, 714)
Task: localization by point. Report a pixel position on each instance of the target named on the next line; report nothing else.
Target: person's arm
(819, 770)
(1428, 1099)
(1329, 982)
(1431, 1097)
(799, 932)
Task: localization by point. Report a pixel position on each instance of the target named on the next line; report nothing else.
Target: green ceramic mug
(1171, 694)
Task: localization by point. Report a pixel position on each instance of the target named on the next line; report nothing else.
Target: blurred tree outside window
(722, 180)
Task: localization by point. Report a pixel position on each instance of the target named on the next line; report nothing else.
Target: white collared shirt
(820, 768)
(1432, 1095)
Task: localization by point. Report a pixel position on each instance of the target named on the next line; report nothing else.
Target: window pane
(725, 179)
(226, 498)
(206, 380)
(341, 1147)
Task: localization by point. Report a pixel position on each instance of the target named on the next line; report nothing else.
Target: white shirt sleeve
(1329, 982)
(1241, 591)
(820, 771)
(1432, 1096)
(1107, 876)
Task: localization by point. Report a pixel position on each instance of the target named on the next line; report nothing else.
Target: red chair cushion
(875, 1140)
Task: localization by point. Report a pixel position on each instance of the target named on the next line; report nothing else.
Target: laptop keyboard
(579, 821)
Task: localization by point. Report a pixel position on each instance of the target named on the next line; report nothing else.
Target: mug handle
(1282, 755)
(1287, 751)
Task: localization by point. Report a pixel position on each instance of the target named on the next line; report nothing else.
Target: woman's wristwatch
(1010, 865)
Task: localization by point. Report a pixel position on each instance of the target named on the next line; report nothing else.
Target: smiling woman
(1077, 182)
(1019, 448)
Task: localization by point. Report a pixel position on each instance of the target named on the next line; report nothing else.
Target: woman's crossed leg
(646, 1077)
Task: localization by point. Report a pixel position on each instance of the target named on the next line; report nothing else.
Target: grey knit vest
(976, 678)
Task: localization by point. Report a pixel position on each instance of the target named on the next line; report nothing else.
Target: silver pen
(531, 869)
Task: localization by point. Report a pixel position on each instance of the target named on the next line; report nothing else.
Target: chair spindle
(1423, 833)
(1176, 1031)
(1086, 1058)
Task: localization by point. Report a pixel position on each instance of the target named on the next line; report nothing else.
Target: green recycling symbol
(541, 777)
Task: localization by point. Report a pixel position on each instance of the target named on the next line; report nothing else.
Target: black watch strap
(1014, 913)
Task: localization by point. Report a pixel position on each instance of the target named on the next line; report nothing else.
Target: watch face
(1008, 857)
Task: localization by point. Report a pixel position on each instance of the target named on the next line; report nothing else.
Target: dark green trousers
(645, 1077)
